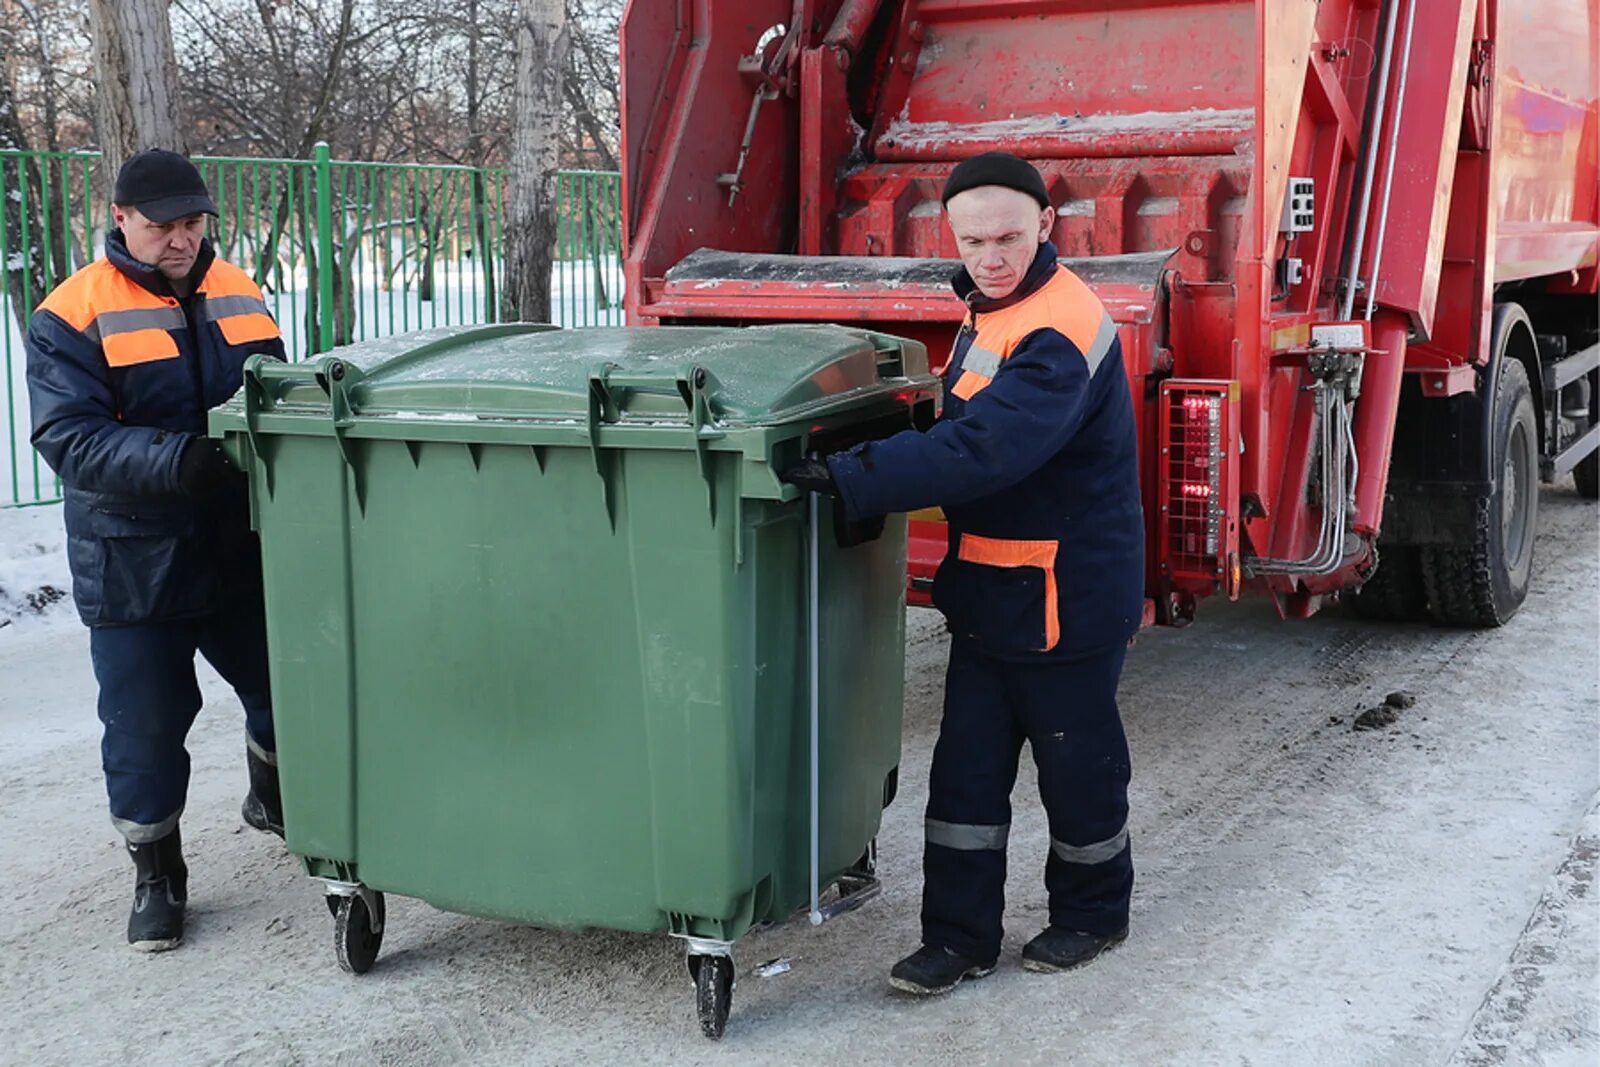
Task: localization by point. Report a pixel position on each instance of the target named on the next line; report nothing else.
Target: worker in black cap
(125, 358)
(1035, 463)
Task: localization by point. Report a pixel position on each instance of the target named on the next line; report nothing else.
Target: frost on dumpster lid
(755, 376)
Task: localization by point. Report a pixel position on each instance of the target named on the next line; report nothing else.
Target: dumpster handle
(334, 377)
(692, 384)
(813, 639)
(257, 370)
(260, 371)
(267, 377)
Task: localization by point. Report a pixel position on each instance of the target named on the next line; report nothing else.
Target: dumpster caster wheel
(713, 992)
(356, 937)
(332, 900)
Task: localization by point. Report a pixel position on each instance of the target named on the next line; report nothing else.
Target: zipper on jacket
(189, 319)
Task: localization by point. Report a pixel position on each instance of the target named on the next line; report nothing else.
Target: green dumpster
(540, 627)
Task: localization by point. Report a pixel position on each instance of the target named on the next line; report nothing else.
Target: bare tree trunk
(137, 94)
(483, 251)
(542, 41)
(427, 238)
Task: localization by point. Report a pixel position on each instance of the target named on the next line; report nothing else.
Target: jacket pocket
(1002, 592)
(148, 565)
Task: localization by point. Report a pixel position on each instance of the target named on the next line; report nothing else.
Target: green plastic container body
(537, 610)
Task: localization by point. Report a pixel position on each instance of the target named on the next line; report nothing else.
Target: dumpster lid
(752, 376)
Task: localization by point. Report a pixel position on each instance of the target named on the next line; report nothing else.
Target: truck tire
(1483, 580)
(1395, 592)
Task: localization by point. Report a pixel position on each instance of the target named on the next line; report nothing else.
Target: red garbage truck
(1351, 246)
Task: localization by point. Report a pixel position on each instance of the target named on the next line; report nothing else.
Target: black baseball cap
(163, 185)
(996, 168)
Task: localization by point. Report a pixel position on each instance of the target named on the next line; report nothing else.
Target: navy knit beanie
(996, 168)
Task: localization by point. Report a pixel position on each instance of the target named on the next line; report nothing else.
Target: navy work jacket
(1035, 463)
(121, 373)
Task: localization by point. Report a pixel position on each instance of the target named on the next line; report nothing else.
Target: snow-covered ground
(35, 587)
(1420, 894)
(583, 293)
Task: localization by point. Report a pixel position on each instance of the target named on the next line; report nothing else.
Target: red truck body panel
(776, 175)
(1546, 147)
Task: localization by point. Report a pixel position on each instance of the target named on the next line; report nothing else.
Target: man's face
(170, 247)
(998, 231)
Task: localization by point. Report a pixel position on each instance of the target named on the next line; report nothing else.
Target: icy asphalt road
(1307, 894)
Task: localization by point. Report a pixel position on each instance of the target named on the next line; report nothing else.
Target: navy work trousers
(1067, 711)
(149, 699)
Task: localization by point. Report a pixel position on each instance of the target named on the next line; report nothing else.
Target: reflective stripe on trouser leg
(968, 837)
(969, 808)
(1070, 710)
(148, 700)
(144, 833)
(255, 749)
(1099, 852)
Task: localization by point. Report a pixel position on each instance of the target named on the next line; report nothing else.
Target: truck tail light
(1198, 474)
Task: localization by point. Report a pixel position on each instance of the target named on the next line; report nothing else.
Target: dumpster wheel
(713, 992)
(356, 937)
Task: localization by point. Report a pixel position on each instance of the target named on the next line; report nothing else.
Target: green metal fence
(344, 251)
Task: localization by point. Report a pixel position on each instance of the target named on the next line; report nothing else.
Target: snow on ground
(1536, 1011)
(35, 587)
(1307, 894)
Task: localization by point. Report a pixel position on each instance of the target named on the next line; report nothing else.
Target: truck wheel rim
(1514, 525)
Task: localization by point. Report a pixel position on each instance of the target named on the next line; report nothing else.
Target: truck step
(1560, 373)
(1553, 467)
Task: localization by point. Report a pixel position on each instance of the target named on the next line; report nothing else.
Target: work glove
(810, 476)
(813, 476)
(204, 469)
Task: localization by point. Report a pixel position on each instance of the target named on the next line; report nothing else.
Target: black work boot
(933, 969)
(263, 805)
(1060, 949)
(156, 922)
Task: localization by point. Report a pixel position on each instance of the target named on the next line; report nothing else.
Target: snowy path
(1307, 894)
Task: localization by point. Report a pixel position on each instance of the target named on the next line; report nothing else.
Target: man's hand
(204, 468)
(811, 476)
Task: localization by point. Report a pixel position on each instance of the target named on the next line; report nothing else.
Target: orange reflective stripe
(129, 322)
(224, 279)
(970, 385)
(138, 346)
(1052, 611)
(1064, 304)
(1000, 552)
(1077, 313)
(94, 290)
(242, 329)
(234, 302)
